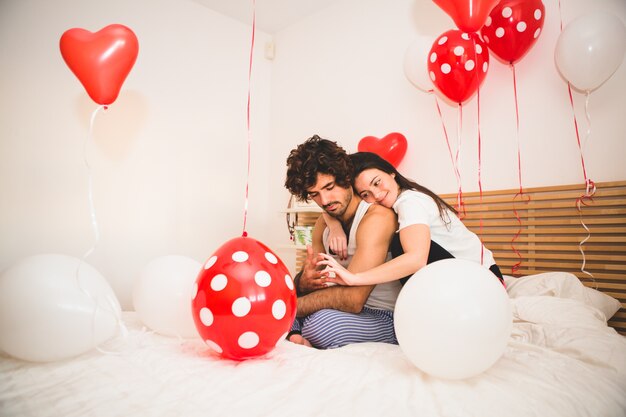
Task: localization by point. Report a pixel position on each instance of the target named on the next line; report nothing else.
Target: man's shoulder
(378, 213)
(377, 209)
(377, 226)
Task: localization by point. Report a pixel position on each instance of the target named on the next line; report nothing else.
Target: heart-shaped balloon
(102, 60)
(468, 15)
(391, 148)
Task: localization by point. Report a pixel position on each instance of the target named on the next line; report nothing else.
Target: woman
(428, 226)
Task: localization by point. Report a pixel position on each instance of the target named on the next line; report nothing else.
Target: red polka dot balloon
(457, 64)
(244, 301)
(513, 27)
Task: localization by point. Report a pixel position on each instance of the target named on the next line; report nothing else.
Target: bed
(562, 358)
(541, 231)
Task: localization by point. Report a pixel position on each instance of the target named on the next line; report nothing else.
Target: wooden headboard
(550, 232)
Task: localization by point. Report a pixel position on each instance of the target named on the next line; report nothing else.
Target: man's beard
(343, 206)
(336, 213)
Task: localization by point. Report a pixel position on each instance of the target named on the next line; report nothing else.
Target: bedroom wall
(340, 74)
(168, 159)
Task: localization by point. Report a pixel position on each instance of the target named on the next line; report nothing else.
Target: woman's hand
(341, 275)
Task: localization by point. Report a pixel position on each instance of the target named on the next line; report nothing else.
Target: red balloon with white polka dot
(513, 27)
(244, 300)
(457, 64)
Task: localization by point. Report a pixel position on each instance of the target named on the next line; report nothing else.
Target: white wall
(340, 74)
(168, 158)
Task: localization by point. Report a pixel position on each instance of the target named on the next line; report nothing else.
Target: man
(329, 317)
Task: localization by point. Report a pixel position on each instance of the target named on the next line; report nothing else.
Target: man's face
(332, 198)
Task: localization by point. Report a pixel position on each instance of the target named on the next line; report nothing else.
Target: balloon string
(580, 147)
(480, 185)
(590, 190)
(590, 187)
(588, 118)
(245, 210)
(520, 193)
(457, 174)
(459, 128)
(94, 223)
(92, 210)
(519, 153)
(94, 220)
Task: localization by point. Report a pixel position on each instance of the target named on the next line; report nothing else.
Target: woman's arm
(373, 238)
(337, 241)
(415, 241)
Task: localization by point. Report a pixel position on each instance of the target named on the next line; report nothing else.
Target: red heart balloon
(245, 300)
(391, 148)
(102, 60)
(513, 27)
(468, 15)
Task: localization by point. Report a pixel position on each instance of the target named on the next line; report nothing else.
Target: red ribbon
(590, 189)
(480, 185)
(245, 210)
(460, 202)
(460, 206)
(520, 193)
(590, 186)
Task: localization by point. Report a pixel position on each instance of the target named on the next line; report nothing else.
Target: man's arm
(373, 238)
(309, 278)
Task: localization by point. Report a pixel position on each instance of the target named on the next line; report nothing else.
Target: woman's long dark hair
(368, 160)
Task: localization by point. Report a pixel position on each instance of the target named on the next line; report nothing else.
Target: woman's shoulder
(413, 196)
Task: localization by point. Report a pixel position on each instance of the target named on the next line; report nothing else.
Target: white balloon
(162, 295)
(55, 307)
(416, 63)
(453, 319)
(590, 49)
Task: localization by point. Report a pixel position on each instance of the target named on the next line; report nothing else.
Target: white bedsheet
(562, 360)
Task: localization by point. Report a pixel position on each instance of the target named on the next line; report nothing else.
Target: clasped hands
(322, 270)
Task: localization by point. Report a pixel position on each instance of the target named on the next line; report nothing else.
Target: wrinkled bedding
(562, 360)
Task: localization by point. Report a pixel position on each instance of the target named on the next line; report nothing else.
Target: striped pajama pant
(328, 329)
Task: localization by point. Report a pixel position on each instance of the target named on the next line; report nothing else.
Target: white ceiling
(271, 15)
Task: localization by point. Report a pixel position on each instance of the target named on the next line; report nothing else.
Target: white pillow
(562, 285)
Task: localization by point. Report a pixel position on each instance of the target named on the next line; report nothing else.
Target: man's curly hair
(316, 156)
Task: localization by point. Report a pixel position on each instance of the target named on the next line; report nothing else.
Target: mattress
(561, 360)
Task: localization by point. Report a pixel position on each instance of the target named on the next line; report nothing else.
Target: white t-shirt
(383, 296)
(414, 207)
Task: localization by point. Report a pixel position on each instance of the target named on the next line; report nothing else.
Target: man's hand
(334, 273)
(311, 278)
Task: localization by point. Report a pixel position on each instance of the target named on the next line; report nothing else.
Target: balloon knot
(244, 234)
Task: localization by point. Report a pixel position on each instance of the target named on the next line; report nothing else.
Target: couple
(345, 187)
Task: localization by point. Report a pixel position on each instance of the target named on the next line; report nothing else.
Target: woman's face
(376, 186)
